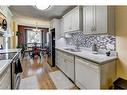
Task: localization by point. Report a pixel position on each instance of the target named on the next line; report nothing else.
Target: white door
(61, 27)
(59, 60)
(56, 58)
(70, 69)
(88, 19)
(101, 19)
(86, 76)
(62, 62)
(67, 23)
(75, 20)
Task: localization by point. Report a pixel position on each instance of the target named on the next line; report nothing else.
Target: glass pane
(33, 37)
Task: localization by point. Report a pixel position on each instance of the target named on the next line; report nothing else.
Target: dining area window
(34, 37)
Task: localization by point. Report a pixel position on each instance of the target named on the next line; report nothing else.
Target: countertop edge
(100, 63)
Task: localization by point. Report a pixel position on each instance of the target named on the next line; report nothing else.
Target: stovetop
(7, 56)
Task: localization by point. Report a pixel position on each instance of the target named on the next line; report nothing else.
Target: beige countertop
(10, 50)
(98, 58)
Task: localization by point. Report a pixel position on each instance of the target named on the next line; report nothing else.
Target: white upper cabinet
(88, 18)
(55, 23)
(61, 28)
(67, 23)
(58, 25)
(98, 20)
(8, 16)
(101, 19)
(3, 10)
(73, 20)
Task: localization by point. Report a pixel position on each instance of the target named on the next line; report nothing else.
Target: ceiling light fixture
(36, 29)
(42, 7)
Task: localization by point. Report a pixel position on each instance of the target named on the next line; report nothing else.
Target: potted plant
(18, 46)
(18, 33)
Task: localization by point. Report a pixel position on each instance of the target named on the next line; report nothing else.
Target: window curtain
(22, 34)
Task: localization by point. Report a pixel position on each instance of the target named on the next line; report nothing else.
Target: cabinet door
(56, 58)
(86, 77)
(59, 60)
(101, 19)
(62, 62)
(61, 28)
(67, 23)
(5, 81)
(88, 19)
(75, 20)
(70, 69)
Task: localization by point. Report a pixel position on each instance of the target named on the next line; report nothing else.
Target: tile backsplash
(102, 41)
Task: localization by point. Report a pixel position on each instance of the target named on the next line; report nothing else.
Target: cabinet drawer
(88, 63)
(66, 56)
(69, 56)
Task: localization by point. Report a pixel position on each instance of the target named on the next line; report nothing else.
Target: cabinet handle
(92, 29)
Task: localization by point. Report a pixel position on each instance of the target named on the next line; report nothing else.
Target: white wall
(61, 42)
(27, 21)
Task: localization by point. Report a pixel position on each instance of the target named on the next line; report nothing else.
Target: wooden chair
(36, 51)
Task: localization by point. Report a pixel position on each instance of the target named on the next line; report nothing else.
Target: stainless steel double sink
(72, 50)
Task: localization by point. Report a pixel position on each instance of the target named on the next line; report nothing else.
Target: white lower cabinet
(90, 75)
(56, 58)
(86, 75)
(70, 69)
(65, 62)
(5, 80)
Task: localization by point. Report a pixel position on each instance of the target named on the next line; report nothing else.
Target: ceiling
(33, 12)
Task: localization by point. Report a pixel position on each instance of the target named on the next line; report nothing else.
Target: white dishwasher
(87, 74)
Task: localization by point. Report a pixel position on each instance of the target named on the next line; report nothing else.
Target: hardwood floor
(40, 69)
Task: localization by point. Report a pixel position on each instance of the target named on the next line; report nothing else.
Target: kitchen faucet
(77, 44)
(94, 47)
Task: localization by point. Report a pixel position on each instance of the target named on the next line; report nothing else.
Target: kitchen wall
(121, 40)
(22, 37)
(102, 41)
(13, 39)
(28, 21)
